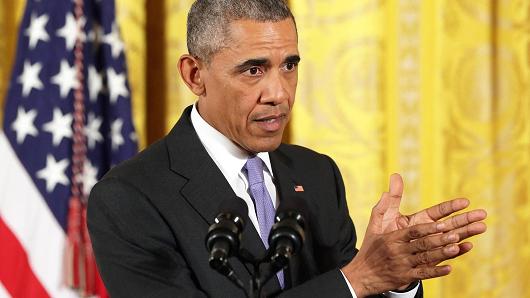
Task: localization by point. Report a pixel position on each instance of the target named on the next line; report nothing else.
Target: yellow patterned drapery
(10, 14)
(438, 90)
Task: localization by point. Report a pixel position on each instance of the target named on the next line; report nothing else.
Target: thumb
(375, 225)
(387, 209)
(395, 191)
(396, 186)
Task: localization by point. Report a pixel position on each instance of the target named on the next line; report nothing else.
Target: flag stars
(116, 85)
(54, 173)
(30, 78)
(70, 31)
(66, 79)
(60, 127)
(36, 30)
(116, 135)
(114, 41)
(23, 125)
(92, 130)
(95, 83)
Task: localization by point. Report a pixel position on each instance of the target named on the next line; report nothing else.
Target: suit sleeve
(333, 281)
(139, 260)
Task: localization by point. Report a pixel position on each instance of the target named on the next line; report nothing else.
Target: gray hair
(208, 21)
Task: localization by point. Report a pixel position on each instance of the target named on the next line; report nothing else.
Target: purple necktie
(263, 202)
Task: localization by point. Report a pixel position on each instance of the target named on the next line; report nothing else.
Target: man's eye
(290, 66)
(254, 71)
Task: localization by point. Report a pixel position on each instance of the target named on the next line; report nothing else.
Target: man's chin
(267, 145)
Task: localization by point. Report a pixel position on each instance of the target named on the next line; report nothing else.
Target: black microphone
(224, 236)
(287, 234)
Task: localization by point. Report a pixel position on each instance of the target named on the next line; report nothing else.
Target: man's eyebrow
(251, 63)
(293, 59)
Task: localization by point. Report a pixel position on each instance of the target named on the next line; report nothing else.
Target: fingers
(420, 231)
(446, 208)
(435, 256)
(470, 230)
(433, 235)
(432, 242)
(430, 272)
(464, 219)
(463, 249)
(467, 224)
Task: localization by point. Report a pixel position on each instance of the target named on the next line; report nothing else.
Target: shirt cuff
(349, 286)
(389, 294)
(409, 294)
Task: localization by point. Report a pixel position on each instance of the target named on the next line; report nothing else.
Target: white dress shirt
(231, 159)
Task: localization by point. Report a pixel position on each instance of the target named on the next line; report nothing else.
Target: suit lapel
(290, 185)
(287, 183)
(206, 187)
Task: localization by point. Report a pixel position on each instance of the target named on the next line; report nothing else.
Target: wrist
(355, 280)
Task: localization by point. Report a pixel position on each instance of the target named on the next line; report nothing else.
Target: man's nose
(275, 89)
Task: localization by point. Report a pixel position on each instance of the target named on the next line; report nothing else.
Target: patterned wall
(440, 92)
(10, 14)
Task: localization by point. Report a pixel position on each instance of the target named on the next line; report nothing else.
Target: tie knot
(254, 167)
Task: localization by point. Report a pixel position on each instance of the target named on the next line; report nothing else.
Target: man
(149, 216)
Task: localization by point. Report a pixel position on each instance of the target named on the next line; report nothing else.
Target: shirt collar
(227, 156)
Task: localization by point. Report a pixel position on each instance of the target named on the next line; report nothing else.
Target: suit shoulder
(150, 160)
(301, 152)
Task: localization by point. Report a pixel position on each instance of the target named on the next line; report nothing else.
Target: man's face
(250, 84)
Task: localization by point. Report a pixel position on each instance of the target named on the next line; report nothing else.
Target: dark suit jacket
(148, 219)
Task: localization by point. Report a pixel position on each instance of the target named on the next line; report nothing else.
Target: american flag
(68, 83)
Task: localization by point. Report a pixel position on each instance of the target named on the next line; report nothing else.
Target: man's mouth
(271, 118)
(271, 123)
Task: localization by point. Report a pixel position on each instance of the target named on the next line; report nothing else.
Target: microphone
(287, 234)
(224, 235)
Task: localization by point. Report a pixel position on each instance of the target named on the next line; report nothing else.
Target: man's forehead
(283, 30)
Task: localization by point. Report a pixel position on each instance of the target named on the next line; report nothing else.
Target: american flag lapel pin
(298, 188)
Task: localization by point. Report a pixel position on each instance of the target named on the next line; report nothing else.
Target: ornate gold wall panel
(340, 106)
(131, 18)
(178, 95)
(440, 92)
(10, 15)
(485, 85)
(158, 95)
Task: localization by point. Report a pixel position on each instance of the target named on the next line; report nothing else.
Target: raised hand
(400, 249)
(393, 220)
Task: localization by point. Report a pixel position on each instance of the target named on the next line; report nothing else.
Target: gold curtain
(438, 90)
(10, 14)
(155, 36)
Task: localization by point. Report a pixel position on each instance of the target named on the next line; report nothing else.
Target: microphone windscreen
(235, 206)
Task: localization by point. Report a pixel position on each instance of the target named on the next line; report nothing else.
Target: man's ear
(190, 73)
